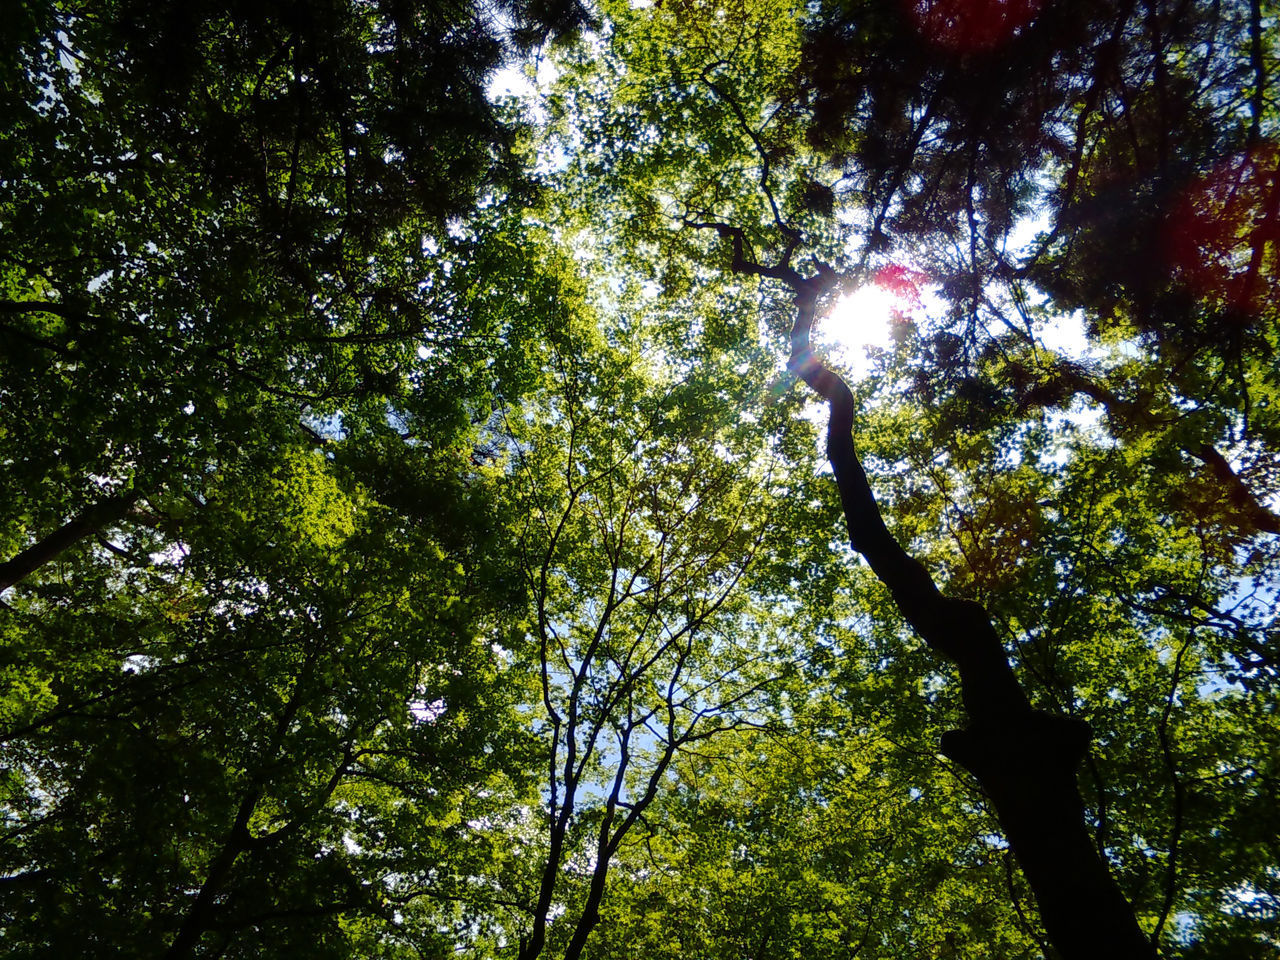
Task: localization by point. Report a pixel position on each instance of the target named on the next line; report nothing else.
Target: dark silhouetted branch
(89, 521)
(1024, 759)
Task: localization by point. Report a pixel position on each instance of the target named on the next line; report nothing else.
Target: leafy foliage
(417, 544)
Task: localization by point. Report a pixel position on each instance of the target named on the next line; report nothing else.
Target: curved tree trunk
(1024, 759)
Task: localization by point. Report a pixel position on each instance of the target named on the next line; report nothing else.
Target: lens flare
(970, 26)
(1223, 236)
(862, 322)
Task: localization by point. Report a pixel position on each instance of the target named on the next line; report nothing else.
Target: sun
(862, 321)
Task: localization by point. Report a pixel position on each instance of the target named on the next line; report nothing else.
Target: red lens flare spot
(902, 282)
(971, 26)
(1223, 236)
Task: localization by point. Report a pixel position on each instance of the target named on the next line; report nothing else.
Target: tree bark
(1024, 759)
(238, 839)
(196, 921)
(90, 520)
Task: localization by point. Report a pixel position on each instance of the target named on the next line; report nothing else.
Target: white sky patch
(1065, 335)
(424, 711)
(510, 81)
(138, 663)
(171, 556)
(517, 80)
(1027, 230)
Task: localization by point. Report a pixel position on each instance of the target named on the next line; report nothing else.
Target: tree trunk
(90, 520)
(1024, 759)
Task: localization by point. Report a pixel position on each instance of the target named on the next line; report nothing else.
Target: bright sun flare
(859, 321)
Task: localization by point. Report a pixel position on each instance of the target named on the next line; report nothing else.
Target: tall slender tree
(865, 133)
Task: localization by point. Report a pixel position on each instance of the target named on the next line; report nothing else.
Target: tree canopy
(444, 517)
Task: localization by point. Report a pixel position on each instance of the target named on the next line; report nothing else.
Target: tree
(940, 135)
(253, 688)
(421, 545)
(639, 498)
